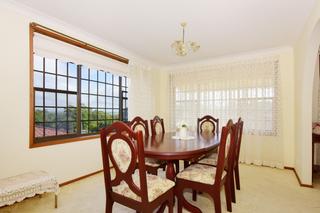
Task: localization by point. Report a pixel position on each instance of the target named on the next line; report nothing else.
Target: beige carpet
(263, 189)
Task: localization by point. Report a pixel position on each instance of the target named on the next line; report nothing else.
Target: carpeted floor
(263, 189)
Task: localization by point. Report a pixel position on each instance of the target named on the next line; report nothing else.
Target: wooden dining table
(170, 149)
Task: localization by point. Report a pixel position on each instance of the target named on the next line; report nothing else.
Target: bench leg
(55, 201)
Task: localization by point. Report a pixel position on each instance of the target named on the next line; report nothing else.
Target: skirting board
(93, 173)
(80, 178)
(301, 184)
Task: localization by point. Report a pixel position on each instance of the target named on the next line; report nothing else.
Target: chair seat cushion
(210, 160)
(200, 173)
(156, 187)
(153, 162)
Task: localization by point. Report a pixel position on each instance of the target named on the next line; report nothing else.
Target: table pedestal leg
(170, 173)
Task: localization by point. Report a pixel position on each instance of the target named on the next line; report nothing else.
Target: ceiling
(148, 27)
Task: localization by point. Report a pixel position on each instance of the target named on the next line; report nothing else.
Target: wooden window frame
(37, 28)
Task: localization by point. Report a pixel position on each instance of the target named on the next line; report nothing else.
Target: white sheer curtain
(247, 89)
(142, 98)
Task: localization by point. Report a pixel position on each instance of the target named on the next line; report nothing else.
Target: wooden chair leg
(185, 164)
(236, 174)
(183, 203)
(179, 194)
(162, 208)
(232, 188)
(194, 195)
(109, 204)
(217, 202)
(177, 166)
(179, 207)
(171, 203)
(152, 170)
(227, 191)
(55, 201)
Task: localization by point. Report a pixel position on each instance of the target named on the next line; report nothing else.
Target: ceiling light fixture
(181, 47)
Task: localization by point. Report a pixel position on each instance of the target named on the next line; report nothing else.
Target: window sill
(33, 144)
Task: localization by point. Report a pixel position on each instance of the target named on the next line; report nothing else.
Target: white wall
(66, 161)
(306, 51)
(269, 148)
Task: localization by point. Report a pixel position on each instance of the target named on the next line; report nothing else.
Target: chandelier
(181, 47)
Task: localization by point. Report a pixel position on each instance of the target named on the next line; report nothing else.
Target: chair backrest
(208, 124)
(139, 124)
(226, 150)
(157, 125)
(124, 148)
(239, 139)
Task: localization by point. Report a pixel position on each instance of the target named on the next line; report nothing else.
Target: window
(246, 89)
(72, 100)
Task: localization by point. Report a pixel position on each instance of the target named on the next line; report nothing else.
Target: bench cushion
(16, 188)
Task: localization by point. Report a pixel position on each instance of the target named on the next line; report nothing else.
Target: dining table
(171, 148)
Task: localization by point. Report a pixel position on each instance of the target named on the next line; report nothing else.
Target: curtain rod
(76, 42)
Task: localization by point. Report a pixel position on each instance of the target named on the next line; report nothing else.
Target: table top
(164, 147)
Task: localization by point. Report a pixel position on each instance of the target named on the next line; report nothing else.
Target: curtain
(247, 89)
(142, 98)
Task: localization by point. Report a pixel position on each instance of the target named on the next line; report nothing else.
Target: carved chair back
(226, 150)
(239, 139)
(157, 126)
(124, 148)
(208, 124)
(139, 123)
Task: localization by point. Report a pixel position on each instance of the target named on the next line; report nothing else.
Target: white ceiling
(221, 27)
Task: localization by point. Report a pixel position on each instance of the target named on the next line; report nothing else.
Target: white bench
(16, 188)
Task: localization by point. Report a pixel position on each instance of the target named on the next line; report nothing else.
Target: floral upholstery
(210, 160)
(121, 153)
(149, 161)
(141, 128)
(158, 129)
(153, 162)
(207, 126)
(316, 128)
(156, 187)
(200, 173)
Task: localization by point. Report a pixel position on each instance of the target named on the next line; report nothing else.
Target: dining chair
(236, 164)
(152, 165)
(209, 179)
(124, 183)
(208, 124)
(138, 123)
(212, 160)
(157, 128)
(157, 125)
